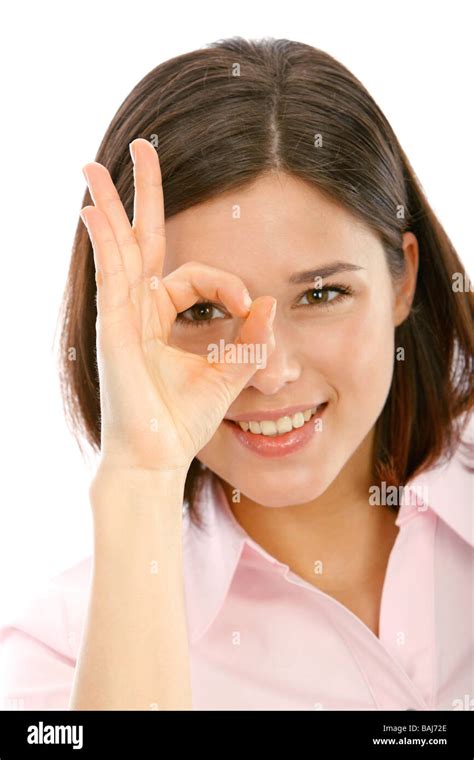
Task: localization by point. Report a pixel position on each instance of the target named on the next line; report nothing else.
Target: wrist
(121, 492)
(111, 474)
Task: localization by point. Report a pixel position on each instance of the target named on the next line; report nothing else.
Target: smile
(279, 426)
(261, 437)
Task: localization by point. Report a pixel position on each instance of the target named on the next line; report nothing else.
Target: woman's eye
(326, 295)
(204, 313)
(200, 314)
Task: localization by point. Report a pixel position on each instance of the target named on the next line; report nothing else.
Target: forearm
(134, 650)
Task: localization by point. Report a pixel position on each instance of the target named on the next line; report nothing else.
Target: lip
(262, 414)
(277, 445)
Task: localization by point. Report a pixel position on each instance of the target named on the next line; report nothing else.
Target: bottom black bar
(62, 733)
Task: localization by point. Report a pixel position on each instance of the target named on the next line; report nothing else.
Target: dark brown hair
(235, 109)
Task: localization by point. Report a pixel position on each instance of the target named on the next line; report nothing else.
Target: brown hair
(225, 114)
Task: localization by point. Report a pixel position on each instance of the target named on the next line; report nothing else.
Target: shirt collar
(447, 491)
(212, 552)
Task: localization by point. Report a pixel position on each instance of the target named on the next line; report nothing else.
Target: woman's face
(339, 351)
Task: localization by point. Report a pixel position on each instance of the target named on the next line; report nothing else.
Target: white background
(66, 68)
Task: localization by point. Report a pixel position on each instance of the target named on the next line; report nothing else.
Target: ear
(406, 285)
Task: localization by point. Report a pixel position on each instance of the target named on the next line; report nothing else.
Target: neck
(337, 539)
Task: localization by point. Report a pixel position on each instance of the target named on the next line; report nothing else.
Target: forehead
(279, 221)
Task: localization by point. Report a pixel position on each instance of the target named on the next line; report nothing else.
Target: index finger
(193, 280)
(148, 206)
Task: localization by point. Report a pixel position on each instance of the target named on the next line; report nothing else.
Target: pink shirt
(263, 638)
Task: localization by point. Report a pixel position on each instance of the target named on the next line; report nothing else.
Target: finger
(258, 327)
(148, 208)
(254, 344)
(112, 283)
(192, 281)
(107, 199)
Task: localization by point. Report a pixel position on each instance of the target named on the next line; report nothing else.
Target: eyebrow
(326, 271)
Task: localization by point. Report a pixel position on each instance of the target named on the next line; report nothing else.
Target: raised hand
(159, 404)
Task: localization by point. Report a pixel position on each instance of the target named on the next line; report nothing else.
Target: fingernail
(247, 300)
(132, 151)
(272, 313)
(83, 217)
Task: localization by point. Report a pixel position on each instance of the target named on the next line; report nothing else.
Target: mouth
(280, 426)
(279, 437)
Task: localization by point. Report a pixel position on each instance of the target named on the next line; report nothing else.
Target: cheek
(355, 358)
(197, 339)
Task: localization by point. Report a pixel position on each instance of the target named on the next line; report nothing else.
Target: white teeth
(298, 420)
(284, 425)
(280, 426)
(268, 427)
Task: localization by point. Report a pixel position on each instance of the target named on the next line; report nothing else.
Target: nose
(282, 367)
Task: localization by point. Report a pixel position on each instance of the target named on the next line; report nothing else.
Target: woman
(282, 351)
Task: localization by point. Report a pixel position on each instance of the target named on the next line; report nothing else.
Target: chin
(284, 497)
(274, 491)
